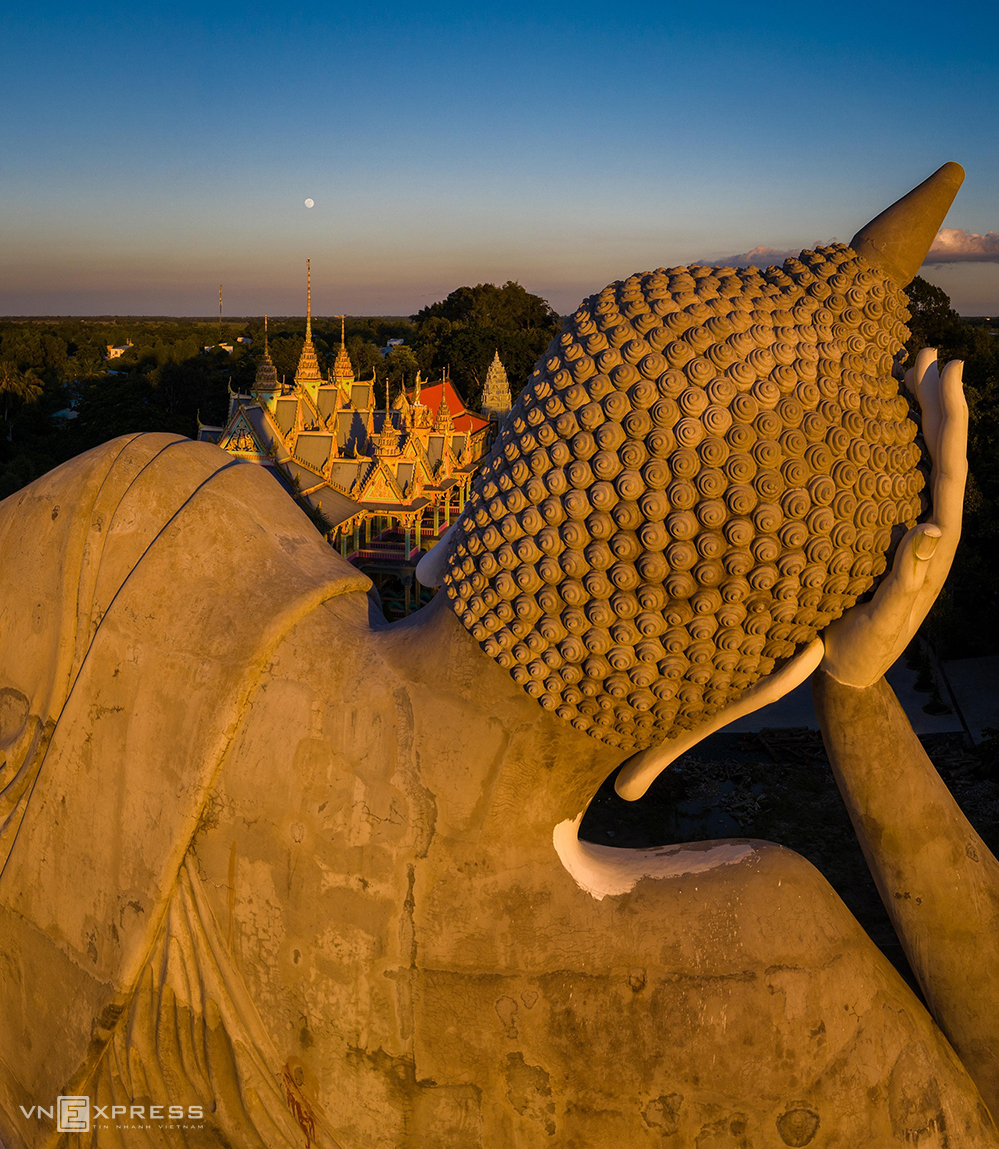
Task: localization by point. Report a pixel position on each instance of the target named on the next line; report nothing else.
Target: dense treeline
(53, 367)
(965, 620)
(177, 371)
(463, 331)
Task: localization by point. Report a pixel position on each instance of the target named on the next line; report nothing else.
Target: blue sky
(148, 153)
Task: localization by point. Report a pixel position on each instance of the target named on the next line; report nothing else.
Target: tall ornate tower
(443, 423)
(389, 441)
(496, 402)
(308, 374)
(266, 384)
(343, 370)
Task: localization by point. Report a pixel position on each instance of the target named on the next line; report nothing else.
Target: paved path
(974, 682)
(796, 709)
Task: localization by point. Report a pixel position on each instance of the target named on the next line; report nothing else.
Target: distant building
(388, 481)
(118, 352)
(496, 402)
(244, 339)
(390, 346)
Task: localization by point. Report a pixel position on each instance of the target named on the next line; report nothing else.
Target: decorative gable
(239, 438)
(381, 486)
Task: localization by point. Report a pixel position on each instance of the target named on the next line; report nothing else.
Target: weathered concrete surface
(316, 879)
(937, 878)
(329, 860)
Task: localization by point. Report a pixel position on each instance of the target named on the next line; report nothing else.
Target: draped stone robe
(320, 878)
(144, 587)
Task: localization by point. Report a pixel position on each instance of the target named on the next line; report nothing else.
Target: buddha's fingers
(904, 598)
(863, 644)
(927, 379)
(950, 463)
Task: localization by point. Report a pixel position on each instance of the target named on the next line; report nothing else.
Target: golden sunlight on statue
(289, 876)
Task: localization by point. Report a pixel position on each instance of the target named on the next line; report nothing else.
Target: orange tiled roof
(430, 396)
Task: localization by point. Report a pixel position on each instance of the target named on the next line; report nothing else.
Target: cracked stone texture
(323, 848)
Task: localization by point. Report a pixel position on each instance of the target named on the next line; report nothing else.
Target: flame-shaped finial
(898, 239)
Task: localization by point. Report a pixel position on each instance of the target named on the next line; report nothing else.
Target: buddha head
(707, 466)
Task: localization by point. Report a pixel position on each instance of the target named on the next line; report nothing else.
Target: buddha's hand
(862, 644)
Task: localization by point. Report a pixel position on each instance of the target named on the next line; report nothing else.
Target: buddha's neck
(482, 741)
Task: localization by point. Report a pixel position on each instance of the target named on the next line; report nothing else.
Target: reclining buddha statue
(276, 873)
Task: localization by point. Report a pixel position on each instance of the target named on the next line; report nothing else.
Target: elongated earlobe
(642, 769)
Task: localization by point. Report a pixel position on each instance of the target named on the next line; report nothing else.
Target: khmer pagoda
(387, 480)
(496, 400)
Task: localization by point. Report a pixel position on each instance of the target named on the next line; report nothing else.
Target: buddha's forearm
(938, 880)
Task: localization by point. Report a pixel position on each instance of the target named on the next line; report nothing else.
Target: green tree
(399, 365)
(933, 322)
(364, 356)
(17, 388)
(462, 332)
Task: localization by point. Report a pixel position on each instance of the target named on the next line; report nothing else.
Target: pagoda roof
(362, 395)
(242, 435)
(286, 408)
(326, 399)
(344, 473)
(308, 364)
(343, 370)
(463, 420)
(314, 447)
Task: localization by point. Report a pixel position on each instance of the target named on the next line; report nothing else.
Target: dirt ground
(777, 785)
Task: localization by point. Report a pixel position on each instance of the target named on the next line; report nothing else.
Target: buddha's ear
(642, 769)
(430, 569)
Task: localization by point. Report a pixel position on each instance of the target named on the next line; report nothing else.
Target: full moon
(310, 203)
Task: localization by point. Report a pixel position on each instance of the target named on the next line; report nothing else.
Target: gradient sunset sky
(149, 153)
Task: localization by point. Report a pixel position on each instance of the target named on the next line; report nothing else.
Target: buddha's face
(705, 469)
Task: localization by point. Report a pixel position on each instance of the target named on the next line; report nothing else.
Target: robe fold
(143, 586)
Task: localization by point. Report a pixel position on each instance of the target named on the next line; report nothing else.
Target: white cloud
(761, 256)
(952, 245)
(955, 245)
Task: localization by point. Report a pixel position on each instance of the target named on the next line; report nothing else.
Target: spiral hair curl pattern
(706, 468)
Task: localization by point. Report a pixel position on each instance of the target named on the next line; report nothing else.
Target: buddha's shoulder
(160, 512)
(132, 490)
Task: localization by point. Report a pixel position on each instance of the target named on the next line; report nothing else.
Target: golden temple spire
(443, 421)
(343, 369)
(266, 378)
(496, 401)
(308, 300)
(308, 374)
